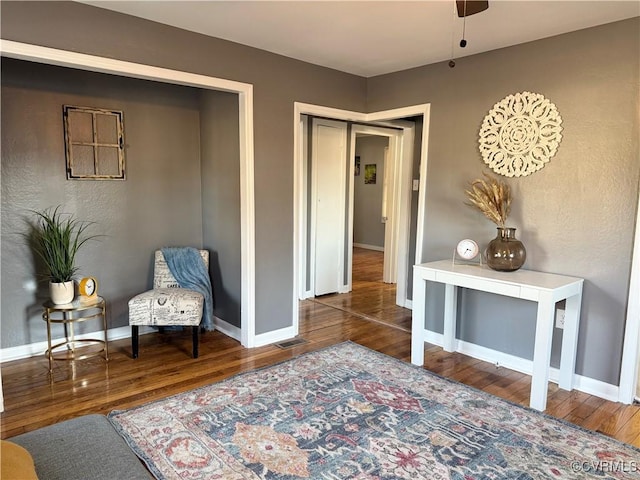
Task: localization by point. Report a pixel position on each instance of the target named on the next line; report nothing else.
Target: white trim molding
(388, 118)
(630, 369)
(113, 334)
(229, 330)
(51, 56)
(398, 160)
(93, 63)
(38, 348)
(275, 336)
(500, 359)
(369, 247)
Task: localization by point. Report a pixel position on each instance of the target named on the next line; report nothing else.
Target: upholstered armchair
(181, 295)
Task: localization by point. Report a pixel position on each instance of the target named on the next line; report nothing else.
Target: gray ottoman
(84, 448)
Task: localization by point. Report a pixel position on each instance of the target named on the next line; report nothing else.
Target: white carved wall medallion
(520, 134)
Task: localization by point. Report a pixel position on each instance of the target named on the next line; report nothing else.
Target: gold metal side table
(80, 310)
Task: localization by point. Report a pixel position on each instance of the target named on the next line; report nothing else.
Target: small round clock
(88, 287)
(467, 249)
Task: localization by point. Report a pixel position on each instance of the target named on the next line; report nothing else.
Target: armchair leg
(134, 341)
(195, 334)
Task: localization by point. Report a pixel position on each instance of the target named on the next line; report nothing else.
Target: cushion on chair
(166, 306)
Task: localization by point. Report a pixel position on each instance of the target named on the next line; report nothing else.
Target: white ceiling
(370, 38)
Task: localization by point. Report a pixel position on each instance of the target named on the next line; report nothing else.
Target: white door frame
(393, 179)
(404, 268)
(299, 175)
(630, 368)
(81, 61)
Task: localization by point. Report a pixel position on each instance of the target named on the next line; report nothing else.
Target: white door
(328, 197)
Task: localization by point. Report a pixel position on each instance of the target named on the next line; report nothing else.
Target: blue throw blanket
(187, 266)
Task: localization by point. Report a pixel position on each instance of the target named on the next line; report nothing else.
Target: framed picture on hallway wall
(370, 174)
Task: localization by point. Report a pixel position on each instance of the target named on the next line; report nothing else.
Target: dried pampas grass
(490, 196)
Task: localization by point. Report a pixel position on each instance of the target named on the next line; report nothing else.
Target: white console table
(544, 288)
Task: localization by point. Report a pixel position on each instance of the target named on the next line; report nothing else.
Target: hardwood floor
(370, 299)
(367, 316)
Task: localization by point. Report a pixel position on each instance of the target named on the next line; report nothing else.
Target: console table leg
(570, 341)
(417, 320)
(542, 353)
(450, 314)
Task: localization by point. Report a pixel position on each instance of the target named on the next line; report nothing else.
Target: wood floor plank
(367, 316)
(628, 431)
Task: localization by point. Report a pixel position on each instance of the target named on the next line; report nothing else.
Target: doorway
(333, 180)
(403, 178)
(370, 194)
(377, 192)
(371, 291)
(244, 91)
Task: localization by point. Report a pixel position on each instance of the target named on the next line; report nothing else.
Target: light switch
(416, 185)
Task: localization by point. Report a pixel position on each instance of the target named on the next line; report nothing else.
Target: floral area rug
(347, 412)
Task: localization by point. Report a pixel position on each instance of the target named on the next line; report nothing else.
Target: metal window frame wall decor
(102, 143)
(520, 134)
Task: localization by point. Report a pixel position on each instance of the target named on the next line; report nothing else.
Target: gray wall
(278, 82)
(576, 216)
(219, 133)
(586, 196)
(136, 216)
(368, 228)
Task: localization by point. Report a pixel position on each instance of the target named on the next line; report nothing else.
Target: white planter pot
(61, 293)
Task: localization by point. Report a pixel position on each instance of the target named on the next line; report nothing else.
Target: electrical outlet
(560, 318)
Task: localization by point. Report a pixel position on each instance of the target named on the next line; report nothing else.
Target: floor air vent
(291, 343)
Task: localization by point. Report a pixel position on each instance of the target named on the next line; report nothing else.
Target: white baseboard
(274, 337)
(408, 304)
(38, 348)
(228, 329)
(592, 387)
(369, 247)
(584, 384)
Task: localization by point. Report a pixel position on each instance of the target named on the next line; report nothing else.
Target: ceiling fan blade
(472, 7)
